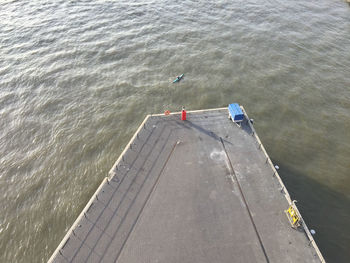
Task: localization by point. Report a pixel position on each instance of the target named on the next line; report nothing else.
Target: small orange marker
(166, 112)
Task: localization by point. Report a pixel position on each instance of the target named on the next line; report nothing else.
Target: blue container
(235, 112)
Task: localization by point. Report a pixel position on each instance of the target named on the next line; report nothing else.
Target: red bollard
(183, 114)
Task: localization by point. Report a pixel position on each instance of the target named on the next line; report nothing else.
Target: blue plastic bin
(235, 112)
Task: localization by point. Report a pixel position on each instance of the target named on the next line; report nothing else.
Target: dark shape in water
(178, 78)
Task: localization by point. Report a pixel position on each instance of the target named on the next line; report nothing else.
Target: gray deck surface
(174, 197)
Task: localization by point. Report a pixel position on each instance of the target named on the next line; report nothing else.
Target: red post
(183, 114)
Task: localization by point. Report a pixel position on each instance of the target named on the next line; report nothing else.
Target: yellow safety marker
(293, 216)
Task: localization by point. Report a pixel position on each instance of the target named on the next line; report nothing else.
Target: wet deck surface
(188, 191)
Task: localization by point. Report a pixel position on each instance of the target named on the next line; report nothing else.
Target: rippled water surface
(78, 77)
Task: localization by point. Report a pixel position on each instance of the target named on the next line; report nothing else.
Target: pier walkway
(200, 190)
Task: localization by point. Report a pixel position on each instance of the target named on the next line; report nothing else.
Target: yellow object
(293, 216)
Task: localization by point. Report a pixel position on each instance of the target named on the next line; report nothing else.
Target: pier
(196, 190)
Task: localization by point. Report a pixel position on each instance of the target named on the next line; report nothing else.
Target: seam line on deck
(245, 202)
(106, 205)
(125, 196)
(143, 206)
(148, 174)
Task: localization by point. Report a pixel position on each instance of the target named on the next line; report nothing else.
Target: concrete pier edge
(112, 173)
(76, 222)
(286, 193)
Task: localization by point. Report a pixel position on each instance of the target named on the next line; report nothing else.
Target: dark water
(78, 77)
